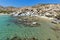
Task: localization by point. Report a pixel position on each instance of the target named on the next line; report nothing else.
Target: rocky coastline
(32, 17)
(47, 11)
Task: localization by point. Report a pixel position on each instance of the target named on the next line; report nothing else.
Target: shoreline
(4, 14)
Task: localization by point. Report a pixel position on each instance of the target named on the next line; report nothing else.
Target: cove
(9, 29)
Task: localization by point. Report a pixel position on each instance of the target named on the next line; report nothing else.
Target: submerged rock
(18, 38)
(8, 24)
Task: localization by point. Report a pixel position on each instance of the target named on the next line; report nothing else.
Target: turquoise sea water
(9, 29)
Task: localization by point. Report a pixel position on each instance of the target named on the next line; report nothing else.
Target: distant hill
(41, 8)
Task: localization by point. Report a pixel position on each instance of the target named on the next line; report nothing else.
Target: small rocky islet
(40, 22)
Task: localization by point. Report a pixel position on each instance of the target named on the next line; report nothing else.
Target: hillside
(41, 8)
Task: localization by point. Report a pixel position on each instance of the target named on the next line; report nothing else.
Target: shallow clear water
(9, 29)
